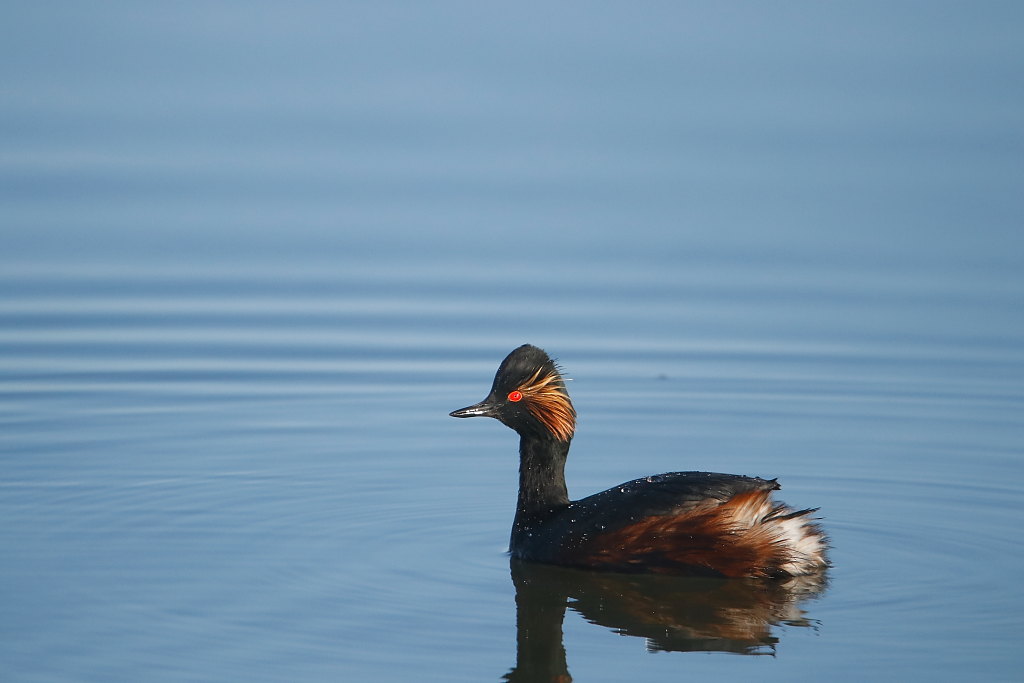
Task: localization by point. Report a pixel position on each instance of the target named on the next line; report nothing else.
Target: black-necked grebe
(688, 523)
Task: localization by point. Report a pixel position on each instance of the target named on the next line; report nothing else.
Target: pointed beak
(481, 409)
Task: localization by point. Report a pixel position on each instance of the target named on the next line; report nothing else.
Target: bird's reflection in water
(672, 613)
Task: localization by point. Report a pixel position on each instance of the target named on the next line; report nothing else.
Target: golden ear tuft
(547, 400)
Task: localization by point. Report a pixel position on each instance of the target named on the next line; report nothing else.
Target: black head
(529, 396)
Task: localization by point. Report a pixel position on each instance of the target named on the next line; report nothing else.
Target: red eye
(515, 396)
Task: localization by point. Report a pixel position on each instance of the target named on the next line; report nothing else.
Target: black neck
(541, 474)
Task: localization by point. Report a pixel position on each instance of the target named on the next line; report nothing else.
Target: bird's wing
(664, 494)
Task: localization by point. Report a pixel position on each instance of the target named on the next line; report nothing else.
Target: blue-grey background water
(251, 254)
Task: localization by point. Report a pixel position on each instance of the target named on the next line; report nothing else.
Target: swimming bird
(685, 523)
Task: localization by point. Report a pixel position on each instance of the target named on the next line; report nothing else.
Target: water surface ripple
(264, 476)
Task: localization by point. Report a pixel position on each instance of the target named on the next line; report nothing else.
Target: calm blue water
(251, 255)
